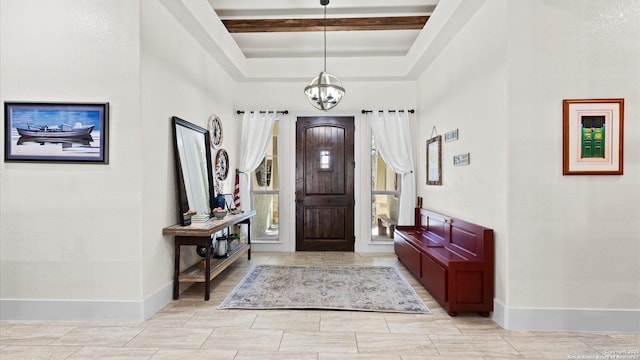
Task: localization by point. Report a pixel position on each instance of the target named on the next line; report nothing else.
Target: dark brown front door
(324, 184)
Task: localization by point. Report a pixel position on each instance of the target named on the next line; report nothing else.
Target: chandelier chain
(325, 91)
(325, 38)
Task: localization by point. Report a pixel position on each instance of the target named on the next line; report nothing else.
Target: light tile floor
(190, 328)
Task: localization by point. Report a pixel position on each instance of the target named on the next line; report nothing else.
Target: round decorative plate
(222, 164)
(215, 131)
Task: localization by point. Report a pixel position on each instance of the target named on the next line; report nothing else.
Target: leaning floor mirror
(193, 168)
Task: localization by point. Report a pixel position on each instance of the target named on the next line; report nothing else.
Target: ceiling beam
(333, 24)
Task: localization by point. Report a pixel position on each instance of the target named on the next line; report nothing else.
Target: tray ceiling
(286, 28)
(282, 40)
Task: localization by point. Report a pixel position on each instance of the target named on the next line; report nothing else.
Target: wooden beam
(333, 24)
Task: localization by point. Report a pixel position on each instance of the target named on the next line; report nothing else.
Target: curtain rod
(370, 111)
(264, 112)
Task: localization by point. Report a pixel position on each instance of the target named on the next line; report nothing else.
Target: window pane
(383, 207)
(265, 192)
(264, 225)
(385, 192)
(266, 175)
(325, 160)
(382, 178)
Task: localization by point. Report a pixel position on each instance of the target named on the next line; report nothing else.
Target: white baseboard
(158, 300)
(566, 319)
(85, 310)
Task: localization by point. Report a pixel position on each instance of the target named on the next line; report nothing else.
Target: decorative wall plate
(215, 131)
(222, 164)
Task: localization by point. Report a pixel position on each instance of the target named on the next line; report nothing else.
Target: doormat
(359, 288)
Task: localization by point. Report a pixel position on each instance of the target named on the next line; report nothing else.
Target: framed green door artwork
(592, 136)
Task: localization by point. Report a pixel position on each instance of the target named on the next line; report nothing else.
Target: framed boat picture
(56, 132)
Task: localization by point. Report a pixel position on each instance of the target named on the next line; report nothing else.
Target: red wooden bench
(452, 258)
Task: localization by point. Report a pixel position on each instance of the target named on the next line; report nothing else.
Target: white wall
(571, 235)
(178, 78)
(501, 82)
(71, 232)
(464, 89)
(85, 241)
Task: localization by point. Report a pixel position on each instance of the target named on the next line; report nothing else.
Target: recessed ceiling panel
(339, 44)
(297, 44)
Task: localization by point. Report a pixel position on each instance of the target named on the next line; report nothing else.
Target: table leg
(176, 273)
(249, 238)
(207, 272)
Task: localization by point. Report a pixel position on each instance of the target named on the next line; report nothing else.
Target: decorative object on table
(186, 217)
(220, 201)
(202, 250)
(219, 213)
(592, 136)
(214, 125)
(194, 181)
(231, 206)
(451, 136)
(462, 159)
(325, 91)
(236, 192)
(222, 249)
(222, 164)
(360, 288)
(234, 240)
(434, 160)
(56, 132)
(199, 219)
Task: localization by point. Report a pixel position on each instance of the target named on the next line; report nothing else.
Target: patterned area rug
(369, 288)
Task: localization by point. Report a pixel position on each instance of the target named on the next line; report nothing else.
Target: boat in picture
(66, 142)
(55, 131)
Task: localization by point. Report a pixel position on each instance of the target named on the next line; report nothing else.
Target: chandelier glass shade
(325, 91)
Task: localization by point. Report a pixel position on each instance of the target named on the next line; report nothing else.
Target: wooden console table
(200, 235)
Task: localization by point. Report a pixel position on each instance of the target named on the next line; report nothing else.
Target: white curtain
(393, 137)
(256, 131)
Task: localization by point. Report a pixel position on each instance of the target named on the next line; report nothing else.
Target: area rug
(360, 288)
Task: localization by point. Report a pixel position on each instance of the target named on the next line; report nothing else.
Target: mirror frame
(183, 200)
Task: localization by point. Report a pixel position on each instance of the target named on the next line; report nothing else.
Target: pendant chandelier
(325, 91)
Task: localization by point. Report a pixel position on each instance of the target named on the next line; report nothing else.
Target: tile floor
(191, 328)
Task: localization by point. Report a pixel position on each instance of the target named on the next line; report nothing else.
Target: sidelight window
(385, 195)
(265, 193)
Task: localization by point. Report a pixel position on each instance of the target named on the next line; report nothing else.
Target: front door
(324, 184)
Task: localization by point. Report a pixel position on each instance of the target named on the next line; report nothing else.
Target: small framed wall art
(592, 136)
(460, 160)
(451, 136)
(56, 132)
(434, 161)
